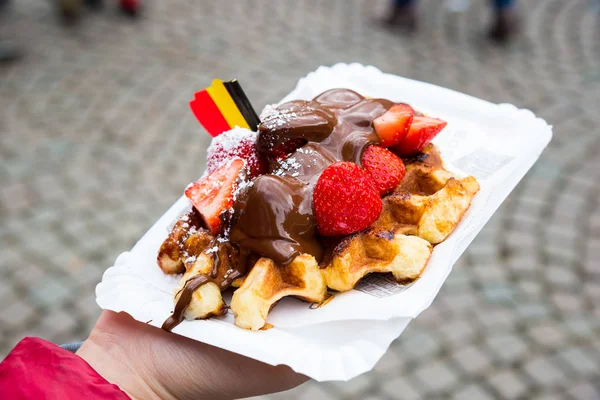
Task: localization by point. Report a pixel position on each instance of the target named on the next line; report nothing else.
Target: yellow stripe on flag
(226, 105)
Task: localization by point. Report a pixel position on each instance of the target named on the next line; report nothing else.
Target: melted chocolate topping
(274, 215)
(274, 219)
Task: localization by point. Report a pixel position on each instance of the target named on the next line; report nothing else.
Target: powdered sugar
(240, 143)
(305, 150)
(243, 184)
(231, 139)
(288, 166)
(190, 260)
(280, 118)
(225, 146)
(212, 250)
(183, 216)
(268, 110)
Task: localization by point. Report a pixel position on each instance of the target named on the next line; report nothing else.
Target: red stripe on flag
(208, 114)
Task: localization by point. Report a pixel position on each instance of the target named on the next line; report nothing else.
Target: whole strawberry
(236, 143)
(345, 200)
(385, 168)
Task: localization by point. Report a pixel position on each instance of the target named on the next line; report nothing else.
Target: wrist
(149, 363)
(111, 352)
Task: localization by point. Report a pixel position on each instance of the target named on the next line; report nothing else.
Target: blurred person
(130, 7)
(504, 25)
(72, 9)
(9, 51)
(124, 358)
(404, 14)
(94, 4)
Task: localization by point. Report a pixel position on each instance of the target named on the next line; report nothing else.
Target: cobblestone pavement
(96, 141)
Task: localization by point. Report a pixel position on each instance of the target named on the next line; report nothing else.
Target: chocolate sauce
(274, 219)
(307, 121)
(274, 215)
(184, 301)
(226, 254)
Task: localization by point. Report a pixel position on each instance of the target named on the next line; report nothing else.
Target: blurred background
(97, 140)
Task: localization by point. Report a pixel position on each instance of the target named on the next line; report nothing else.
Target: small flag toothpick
(223, 106)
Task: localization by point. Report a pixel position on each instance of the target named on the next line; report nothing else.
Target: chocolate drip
(226, 254)
(184, 301)
(275, 217)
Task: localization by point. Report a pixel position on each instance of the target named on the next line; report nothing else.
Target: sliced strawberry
(421, 133)
(345, 200)
(213, 194)
(236, 143)
(385, 168)
(393, 125)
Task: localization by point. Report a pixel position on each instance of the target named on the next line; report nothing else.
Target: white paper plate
(497, 144)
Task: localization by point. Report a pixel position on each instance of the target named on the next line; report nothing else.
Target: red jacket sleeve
(37, 369)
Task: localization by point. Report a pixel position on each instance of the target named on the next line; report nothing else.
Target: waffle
(429, 202)
(373, 251)
(207, 300)
(421, 212)
(267, 283)
(186, 241)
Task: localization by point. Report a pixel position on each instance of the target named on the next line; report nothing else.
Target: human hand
(149, 363)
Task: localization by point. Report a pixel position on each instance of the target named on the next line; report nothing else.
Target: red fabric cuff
(37, 369)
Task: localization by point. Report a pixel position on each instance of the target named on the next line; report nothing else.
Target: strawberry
(236, 143)
(393, 125)
(385, 168)
(213, 194)
(421, 133)
(345, 200)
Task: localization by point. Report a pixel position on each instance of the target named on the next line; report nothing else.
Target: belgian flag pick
(223, 106)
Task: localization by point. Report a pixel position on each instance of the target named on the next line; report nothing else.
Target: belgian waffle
(421, 212)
